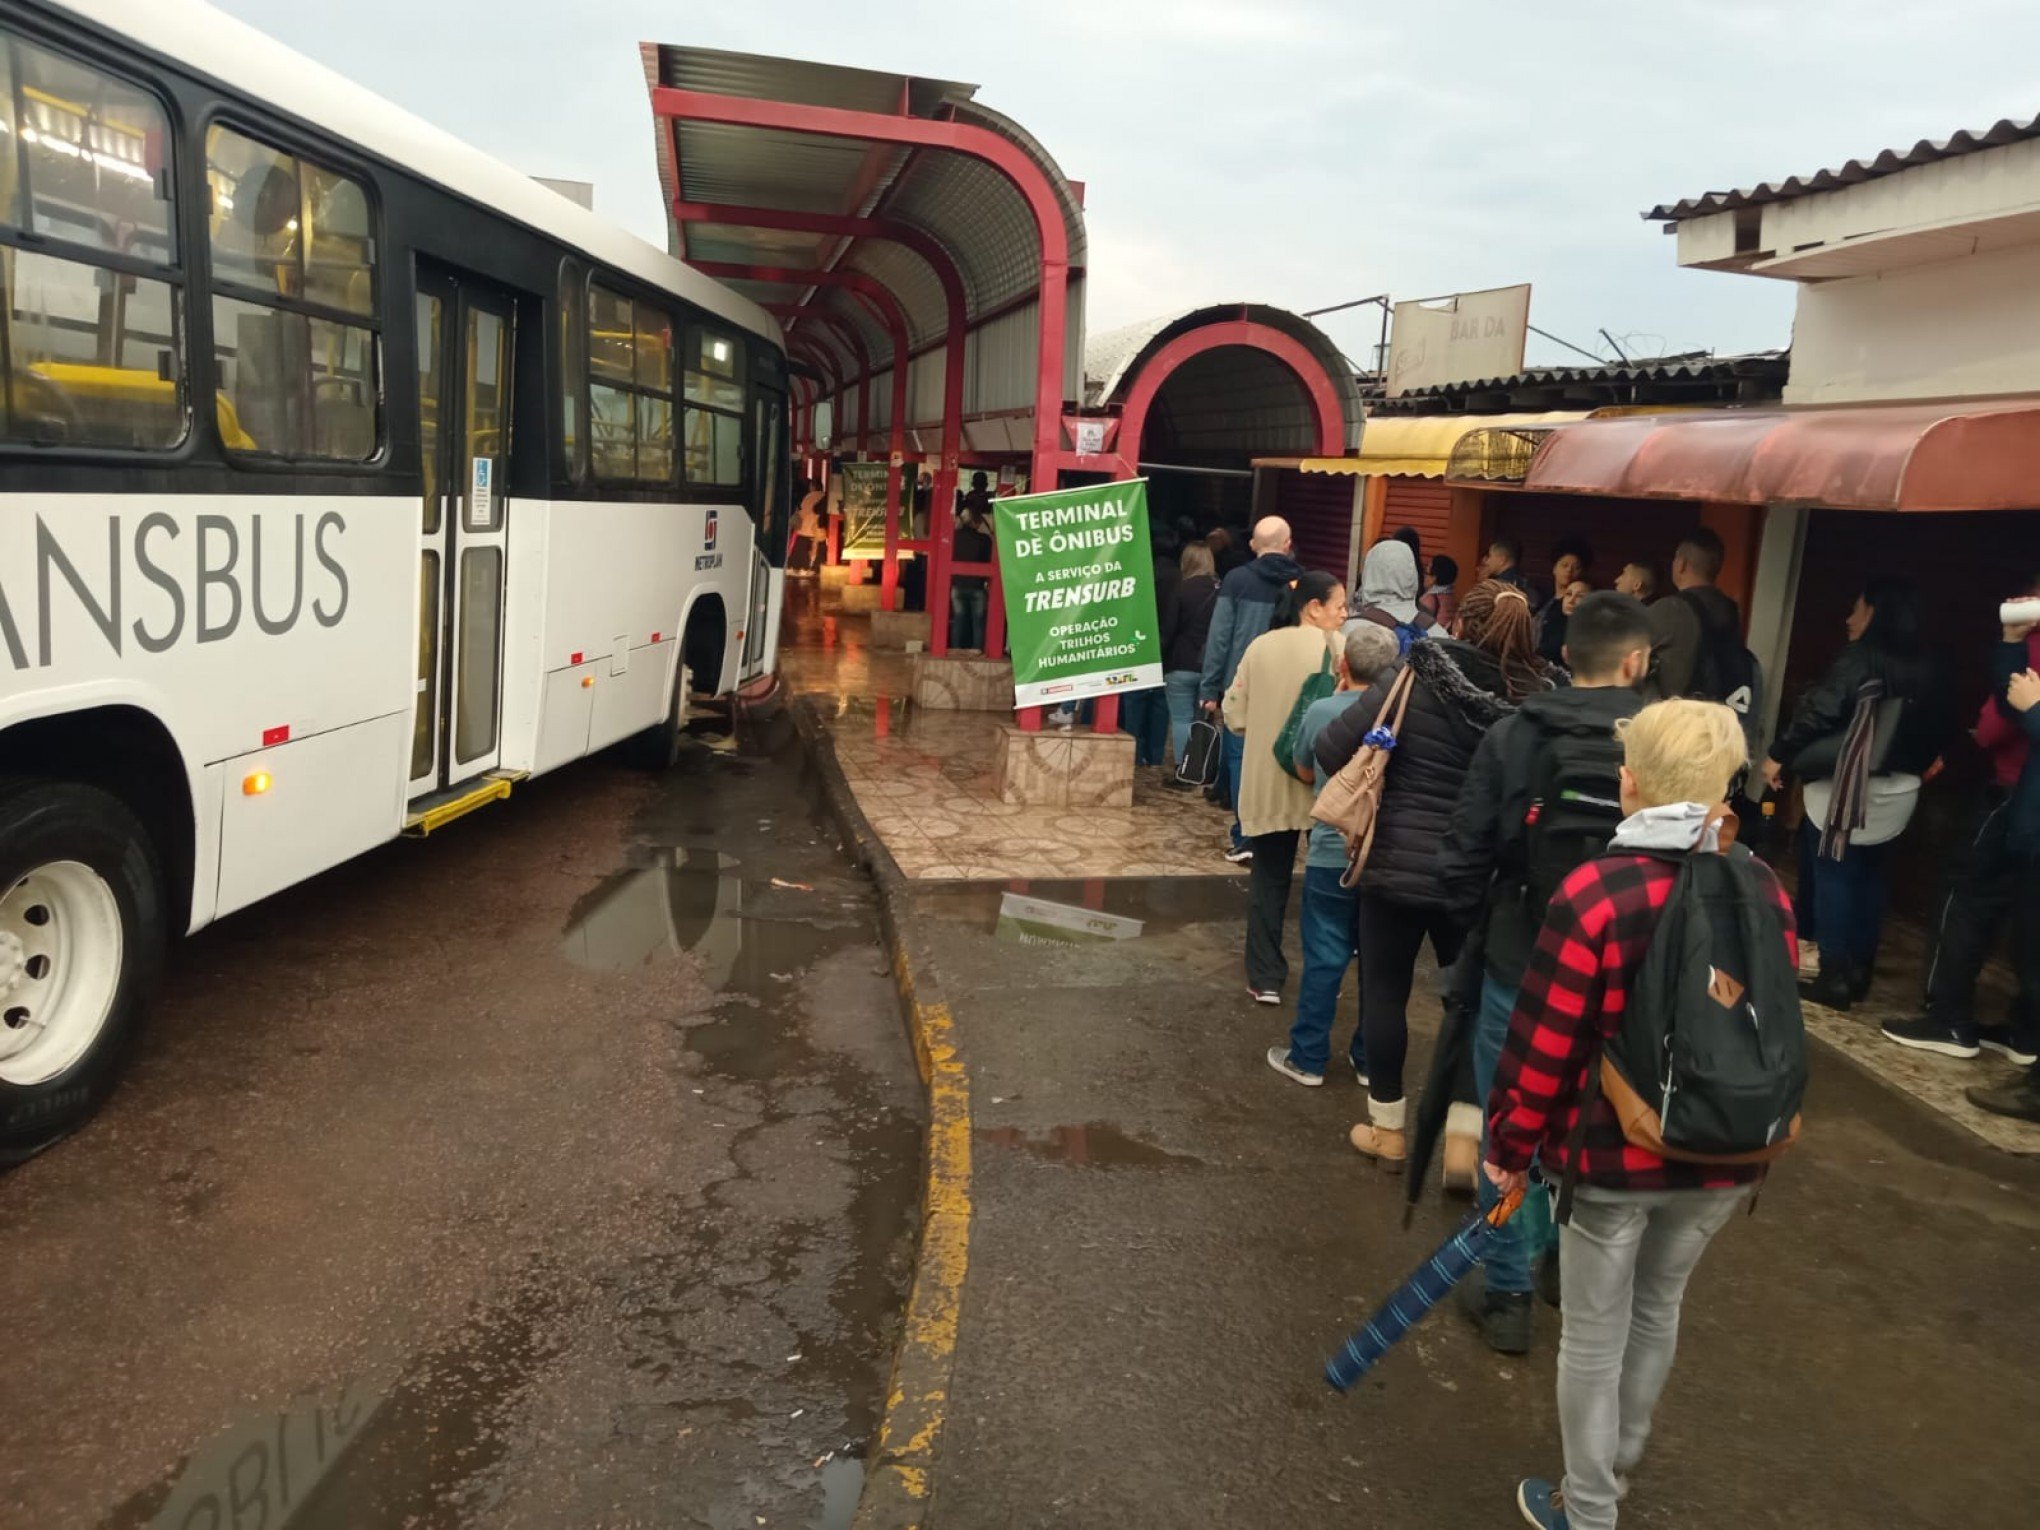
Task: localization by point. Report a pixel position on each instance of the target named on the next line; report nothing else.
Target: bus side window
(630, 389)
(715, 408)
(92, 345)
(295, 339)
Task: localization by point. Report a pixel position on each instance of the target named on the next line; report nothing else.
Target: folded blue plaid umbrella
(1427, 1287)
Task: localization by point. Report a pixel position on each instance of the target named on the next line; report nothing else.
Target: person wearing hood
(1388, 592)
(1461, 687)
(1562, 742)
(1244, 610)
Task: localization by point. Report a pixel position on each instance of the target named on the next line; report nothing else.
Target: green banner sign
(863, 509)
(1079, 575)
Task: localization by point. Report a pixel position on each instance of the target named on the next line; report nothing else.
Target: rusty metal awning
(1959, 456)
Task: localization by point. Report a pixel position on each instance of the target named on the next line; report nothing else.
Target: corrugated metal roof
(968, 207)
(1852, 172)
(1697, 367)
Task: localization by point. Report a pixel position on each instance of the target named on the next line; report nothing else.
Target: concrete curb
(899, 1477)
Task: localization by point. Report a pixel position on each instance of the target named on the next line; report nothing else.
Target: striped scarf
(1850, 809)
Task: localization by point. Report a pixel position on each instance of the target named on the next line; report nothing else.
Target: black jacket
(1184, 642)
(1245, 609)
(1926, 724)
(1482, 858)
(1457, 697)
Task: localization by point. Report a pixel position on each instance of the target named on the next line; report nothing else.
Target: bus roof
(235, 54)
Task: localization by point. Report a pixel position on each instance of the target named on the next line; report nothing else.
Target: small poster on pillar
(1079, 578)
(863, 509)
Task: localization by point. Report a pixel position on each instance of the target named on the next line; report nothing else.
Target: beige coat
(1263, 694)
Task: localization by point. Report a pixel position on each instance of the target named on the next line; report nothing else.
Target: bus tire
(82, 934)
(661, 741)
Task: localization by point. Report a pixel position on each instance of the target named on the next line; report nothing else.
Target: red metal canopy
(1951, 456)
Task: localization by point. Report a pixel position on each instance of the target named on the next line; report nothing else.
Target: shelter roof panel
(909, 279)
(1851, 172)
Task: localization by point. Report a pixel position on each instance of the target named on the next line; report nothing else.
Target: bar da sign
(1079, 579)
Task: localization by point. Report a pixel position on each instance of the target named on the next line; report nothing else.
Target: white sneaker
(1240, 854)
(1264, 996)
(1278, 1059)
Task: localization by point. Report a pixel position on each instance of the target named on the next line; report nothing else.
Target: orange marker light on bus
(255, 783)
(587, 682)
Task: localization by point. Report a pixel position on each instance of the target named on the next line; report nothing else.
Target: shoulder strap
(1398, 701)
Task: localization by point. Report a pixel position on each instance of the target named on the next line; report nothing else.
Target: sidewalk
(1168, 1239)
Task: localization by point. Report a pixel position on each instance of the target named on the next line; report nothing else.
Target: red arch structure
(1308, 370)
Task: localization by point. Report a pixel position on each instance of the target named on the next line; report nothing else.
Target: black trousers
(1992, 882)
(1391, 936)
(1274, 867)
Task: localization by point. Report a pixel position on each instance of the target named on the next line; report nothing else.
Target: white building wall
(1954, 329)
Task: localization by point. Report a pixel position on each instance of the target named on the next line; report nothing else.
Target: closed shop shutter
(1319, 509)
(1422, 503)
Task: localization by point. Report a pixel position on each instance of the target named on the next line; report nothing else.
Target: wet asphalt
(1169, 1239)
(560, 1169)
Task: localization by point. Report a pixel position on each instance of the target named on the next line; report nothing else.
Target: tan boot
(1381, 1136)
(1462, 1148)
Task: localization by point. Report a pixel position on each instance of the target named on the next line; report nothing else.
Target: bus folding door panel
(294, 810)
(568, 703)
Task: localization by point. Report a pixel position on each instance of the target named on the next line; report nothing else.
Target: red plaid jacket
(1594, 937)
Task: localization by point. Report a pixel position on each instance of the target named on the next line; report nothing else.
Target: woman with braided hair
(1461, 687)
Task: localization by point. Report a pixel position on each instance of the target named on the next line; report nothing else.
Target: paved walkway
(926, 780)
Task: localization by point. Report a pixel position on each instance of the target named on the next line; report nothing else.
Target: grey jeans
(1624, 1261)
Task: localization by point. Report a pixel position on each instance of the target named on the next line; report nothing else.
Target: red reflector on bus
(573, 658)
(655, 637)
(271, 737)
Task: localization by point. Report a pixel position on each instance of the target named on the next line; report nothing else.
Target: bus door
(772, 516)
(464, 368)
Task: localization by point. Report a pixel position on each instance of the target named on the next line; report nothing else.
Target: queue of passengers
(1549, 743)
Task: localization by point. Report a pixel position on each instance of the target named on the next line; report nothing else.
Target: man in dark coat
(1245, 608)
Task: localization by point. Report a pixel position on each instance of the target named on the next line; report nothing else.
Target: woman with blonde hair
(1460, 688)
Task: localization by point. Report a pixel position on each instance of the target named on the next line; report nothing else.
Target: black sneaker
(1927, 1035)
(1503, 1316)
(1833, 989)
(2018, 1098)
(2007, 1043)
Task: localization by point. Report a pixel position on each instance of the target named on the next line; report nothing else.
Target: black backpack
(1709, 1064)
(1725, 670)
(1575, 805)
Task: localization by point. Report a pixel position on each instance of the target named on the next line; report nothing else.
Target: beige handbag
(1351, 800)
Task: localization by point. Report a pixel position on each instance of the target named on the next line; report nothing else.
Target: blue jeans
(1145, 714)
(968, 598)
(1509, 1250)
(1331, 943)
(1235, 756)
(1848, 899)
(1180, 687)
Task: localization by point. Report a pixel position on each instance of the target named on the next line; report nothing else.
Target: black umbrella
(1451, 1075)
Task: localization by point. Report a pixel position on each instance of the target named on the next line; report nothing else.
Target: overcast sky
(1298, 152)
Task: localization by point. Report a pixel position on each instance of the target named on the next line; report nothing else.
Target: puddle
(1094, 1145)
(842, 1482)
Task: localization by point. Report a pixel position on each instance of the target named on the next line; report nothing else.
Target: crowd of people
(1552, 752)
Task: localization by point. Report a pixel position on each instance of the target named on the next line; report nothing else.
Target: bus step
(438, 809)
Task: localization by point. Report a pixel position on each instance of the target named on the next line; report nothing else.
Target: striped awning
(1421, 446)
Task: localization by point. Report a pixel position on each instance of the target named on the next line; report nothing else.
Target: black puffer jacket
(1458, 696)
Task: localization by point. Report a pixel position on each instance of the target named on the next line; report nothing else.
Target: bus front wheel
(82, 931)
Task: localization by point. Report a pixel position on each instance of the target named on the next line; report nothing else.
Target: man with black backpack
(1696, 635)
(1541, 796)
(1655, 1063)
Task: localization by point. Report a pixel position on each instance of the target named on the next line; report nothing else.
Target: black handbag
(1199, 765)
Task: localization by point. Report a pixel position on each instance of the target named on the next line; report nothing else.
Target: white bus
(347, 476)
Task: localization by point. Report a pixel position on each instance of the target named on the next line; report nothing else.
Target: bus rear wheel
(82, 931)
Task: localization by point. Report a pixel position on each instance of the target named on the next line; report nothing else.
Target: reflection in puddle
(264, 1469)
(1094, 1144)
(842, 1481)
(1031, 921)
(687, 900)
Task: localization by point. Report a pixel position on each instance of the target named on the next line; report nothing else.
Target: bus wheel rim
(60, 961)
